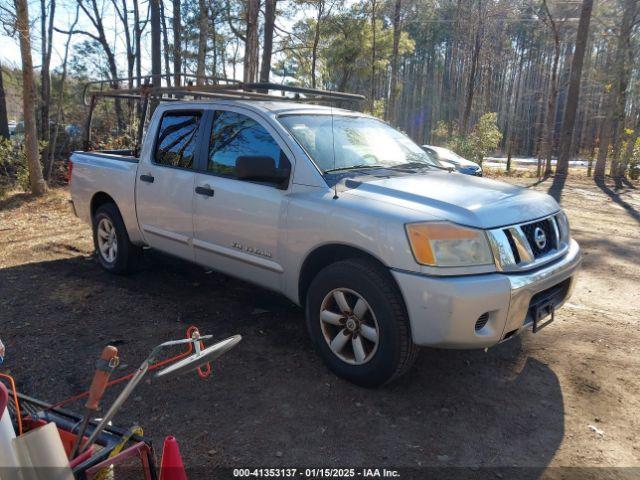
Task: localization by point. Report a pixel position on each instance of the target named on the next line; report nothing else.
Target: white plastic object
(8, 458)
(41, 454)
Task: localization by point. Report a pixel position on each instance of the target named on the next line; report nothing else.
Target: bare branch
(77, 32)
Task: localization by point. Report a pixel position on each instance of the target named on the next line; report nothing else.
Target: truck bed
(106, 172)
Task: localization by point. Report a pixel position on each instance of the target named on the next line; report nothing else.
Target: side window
(241, 148)
(176, 143)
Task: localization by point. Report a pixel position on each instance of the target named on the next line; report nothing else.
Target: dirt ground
(568, 396)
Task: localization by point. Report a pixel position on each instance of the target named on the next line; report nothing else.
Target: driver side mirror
(259, 168)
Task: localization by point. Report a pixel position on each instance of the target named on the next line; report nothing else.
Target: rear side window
(234, 136)
(176, 144)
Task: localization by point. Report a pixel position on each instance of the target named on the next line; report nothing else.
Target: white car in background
(449, 158)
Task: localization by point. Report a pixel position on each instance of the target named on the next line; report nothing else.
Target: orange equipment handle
(106, 364)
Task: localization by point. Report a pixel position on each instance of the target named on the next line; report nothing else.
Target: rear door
(237, 222)
(165, 184)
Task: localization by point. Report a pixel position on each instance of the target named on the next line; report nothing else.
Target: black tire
(128, 255)
(395, 351)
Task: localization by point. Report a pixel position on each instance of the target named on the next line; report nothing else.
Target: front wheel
(357, 320)
(115, 252)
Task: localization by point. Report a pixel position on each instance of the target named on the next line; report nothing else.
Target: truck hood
(463, 199)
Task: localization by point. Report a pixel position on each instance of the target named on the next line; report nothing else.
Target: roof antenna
(333, 149)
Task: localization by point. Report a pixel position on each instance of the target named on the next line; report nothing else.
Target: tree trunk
(373, 54)
(214, 50)
(45, 76)
(203, 23)
(616, 98)
(60, 99)
(472, 74)
(445, 88)
(177, 39)
(623, 75)
(390, 111)
(156, 54)
(251, 47)
(513, 111)
(569, 117)
(550, 116)
(234, 59)
(316, 42)
(4, 118)
(165, 45)
(267, 44)
(583, 140)
(223, 54)
(137, 33)
(453, 74)
(129, 46)
(37, 183)
(122, 12)
(509, 93)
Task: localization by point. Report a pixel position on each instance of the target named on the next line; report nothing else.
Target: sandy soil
(530, 402)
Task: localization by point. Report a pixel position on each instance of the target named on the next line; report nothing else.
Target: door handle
(147, 178)
(206, 190)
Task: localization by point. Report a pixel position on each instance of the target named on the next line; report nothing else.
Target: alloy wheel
(107, 240)
(349, 326)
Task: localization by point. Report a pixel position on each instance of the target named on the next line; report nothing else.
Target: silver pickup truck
(343, 215)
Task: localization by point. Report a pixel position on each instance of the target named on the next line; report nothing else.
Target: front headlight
(442, 244)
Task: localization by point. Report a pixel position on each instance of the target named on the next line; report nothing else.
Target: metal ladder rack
(209, 88)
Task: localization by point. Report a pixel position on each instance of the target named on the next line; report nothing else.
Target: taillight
(69, 171)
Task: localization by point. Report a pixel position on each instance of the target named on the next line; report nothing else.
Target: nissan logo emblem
(540, 238)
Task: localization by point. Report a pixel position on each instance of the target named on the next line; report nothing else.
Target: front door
(165, 187)
(238, 222)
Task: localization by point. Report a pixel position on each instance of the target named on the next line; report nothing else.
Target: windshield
(358, 143)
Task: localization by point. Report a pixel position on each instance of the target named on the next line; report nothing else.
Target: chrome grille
(545, 226)
(512, 244)
(528, 245)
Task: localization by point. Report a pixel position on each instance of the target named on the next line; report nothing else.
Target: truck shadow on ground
(271, 401)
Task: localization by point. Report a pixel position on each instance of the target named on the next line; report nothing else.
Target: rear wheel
(115, 252)
(357, 320)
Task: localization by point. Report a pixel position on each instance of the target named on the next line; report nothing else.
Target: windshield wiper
(414, 165)
(420, 165)
(355, 167)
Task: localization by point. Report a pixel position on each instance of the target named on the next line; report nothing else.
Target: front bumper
(443, 310)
